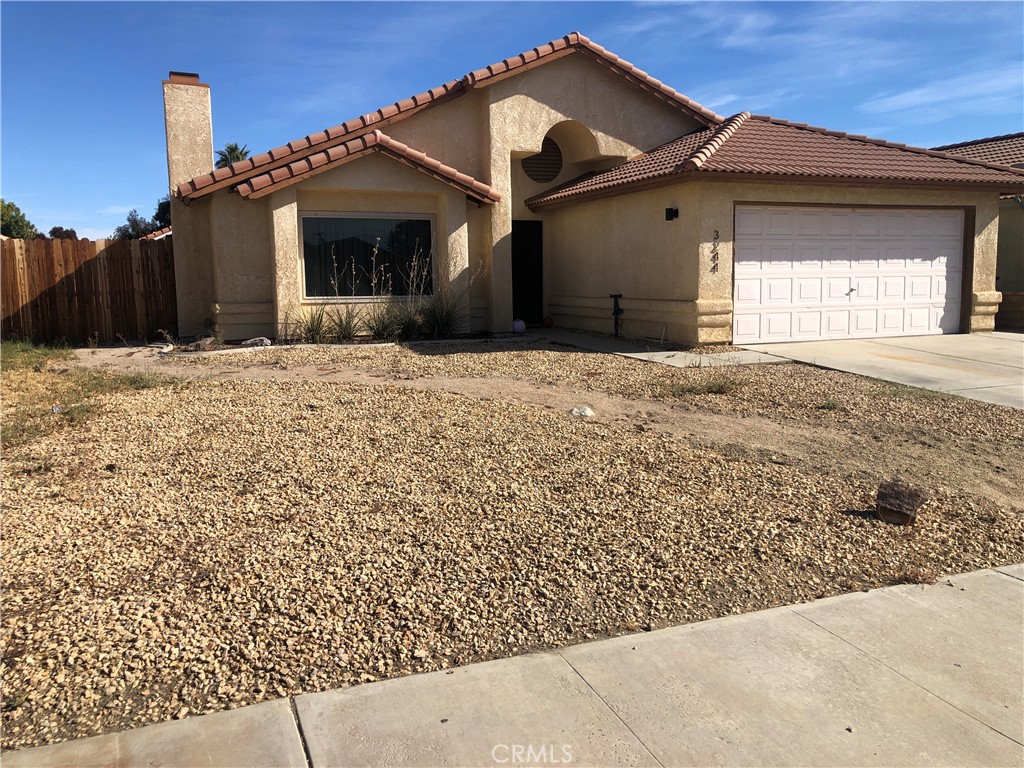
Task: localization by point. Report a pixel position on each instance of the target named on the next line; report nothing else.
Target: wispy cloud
(958, 95)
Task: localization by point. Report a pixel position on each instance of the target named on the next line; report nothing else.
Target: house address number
(714, 252)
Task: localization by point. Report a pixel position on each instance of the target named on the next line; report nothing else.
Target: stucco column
(284, 218)
(714, 229)
(453, 270)
(985, 299)
(500, 275)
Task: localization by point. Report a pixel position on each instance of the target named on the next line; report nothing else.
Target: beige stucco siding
(624, 245)
(622, 120)
(374, 185)
(240, 233)
(193, 267)
(1010, 256)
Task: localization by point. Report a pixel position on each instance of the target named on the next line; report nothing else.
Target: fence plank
(77, 289)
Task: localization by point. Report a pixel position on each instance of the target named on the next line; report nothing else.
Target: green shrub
(441, 315)
(381, 322)
(345, 323)
(314, 327)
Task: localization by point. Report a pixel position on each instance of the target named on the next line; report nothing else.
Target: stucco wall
(1010, 255)
(624, 245)
(372, 184)
(243, 266)
(623, 120)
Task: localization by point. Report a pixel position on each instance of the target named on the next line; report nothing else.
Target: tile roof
(160, 234)
(1005, 150)
(375, 141)
(316, 142)
(760, 146)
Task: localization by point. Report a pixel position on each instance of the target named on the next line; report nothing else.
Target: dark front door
(528, 272)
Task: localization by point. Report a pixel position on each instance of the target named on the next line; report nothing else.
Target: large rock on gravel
(898, 503)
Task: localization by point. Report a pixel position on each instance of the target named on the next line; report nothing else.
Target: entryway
(528, 271)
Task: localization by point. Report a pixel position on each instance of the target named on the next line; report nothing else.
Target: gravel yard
(292, 520)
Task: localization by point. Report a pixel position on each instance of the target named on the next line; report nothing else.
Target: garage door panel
(946, 318)
(891, 321)
(809, 257)
(748, 292)
(918, 319)
(780, 222)
(748, 221)
(867, 224)
(807, 273)
(919, 287)
(839, 223)
(865, 289)
(894, 224)
(808, 290)
(779, 256)
(894, 287)
(746, 328)
(867, 256)
(837, 289)
(777, 325)
(864, 322)
(809, 224)
(837, 323)
(747, 255)
(893, 255)
(807, 324)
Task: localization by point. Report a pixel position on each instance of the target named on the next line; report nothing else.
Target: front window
(367, 256)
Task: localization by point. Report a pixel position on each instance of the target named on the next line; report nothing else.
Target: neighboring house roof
(160, 234)
(329, 137)
(764, 147)
(1005, 150)
(285, 176)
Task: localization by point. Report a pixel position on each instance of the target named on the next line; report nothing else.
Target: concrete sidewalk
(909, 675)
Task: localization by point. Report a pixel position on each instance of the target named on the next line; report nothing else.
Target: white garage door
(837, 273)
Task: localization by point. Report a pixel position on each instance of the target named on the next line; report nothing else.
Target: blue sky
(82, 113)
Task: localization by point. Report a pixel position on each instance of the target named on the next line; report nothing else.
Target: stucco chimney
(189, 124)
(187, 118)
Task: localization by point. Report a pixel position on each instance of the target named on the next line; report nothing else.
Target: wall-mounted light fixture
(671, 213)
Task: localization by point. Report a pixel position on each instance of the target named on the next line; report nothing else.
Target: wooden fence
(82, 290)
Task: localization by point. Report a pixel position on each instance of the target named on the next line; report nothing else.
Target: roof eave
(688, 176)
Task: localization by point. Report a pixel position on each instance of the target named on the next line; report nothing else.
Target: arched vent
(546, 164)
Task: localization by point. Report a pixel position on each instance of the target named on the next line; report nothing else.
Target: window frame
(315, 214)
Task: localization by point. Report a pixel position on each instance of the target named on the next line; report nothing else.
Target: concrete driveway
(981, 366)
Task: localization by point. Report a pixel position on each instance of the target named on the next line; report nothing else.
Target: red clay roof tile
(160, 234)
(1007, 149)
(757, 144)
(571, 43)
(375, 141)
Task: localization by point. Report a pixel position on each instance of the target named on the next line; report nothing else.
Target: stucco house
(1004, 150)
(536, 187)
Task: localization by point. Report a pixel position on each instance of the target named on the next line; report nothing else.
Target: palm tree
(231, 153)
